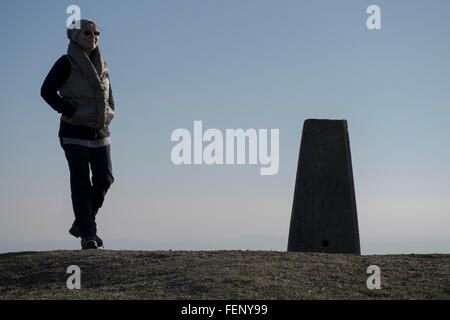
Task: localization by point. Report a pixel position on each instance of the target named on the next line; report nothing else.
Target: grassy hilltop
(107, 274)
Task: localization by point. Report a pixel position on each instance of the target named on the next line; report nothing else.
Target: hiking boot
(99, 241)
(75, 231)
(88, 243)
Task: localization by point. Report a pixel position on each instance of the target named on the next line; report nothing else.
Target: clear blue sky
(233, 64)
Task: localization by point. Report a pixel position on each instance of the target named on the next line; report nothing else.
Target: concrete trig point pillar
(324, 217)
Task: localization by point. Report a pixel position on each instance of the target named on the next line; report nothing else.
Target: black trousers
(88, 197)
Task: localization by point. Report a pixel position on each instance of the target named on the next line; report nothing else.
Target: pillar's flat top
(327, 124)
(325, 120)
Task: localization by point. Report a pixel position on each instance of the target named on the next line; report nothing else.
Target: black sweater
(59, 73)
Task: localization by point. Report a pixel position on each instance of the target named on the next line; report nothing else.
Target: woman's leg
(102, 176)
(80, 184)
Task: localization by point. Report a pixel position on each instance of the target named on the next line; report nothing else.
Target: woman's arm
(59, 73)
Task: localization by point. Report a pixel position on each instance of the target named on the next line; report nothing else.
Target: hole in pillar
(325, 243)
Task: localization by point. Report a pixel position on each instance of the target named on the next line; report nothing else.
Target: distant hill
(109, 274)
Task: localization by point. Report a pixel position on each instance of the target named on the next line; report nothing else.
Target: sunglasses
(88, 33)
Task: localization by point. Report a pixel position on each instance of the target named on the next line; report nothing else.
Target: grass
(107, 274)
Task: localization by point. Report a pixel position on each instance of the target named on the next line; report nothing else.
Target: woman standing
(86, 103)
